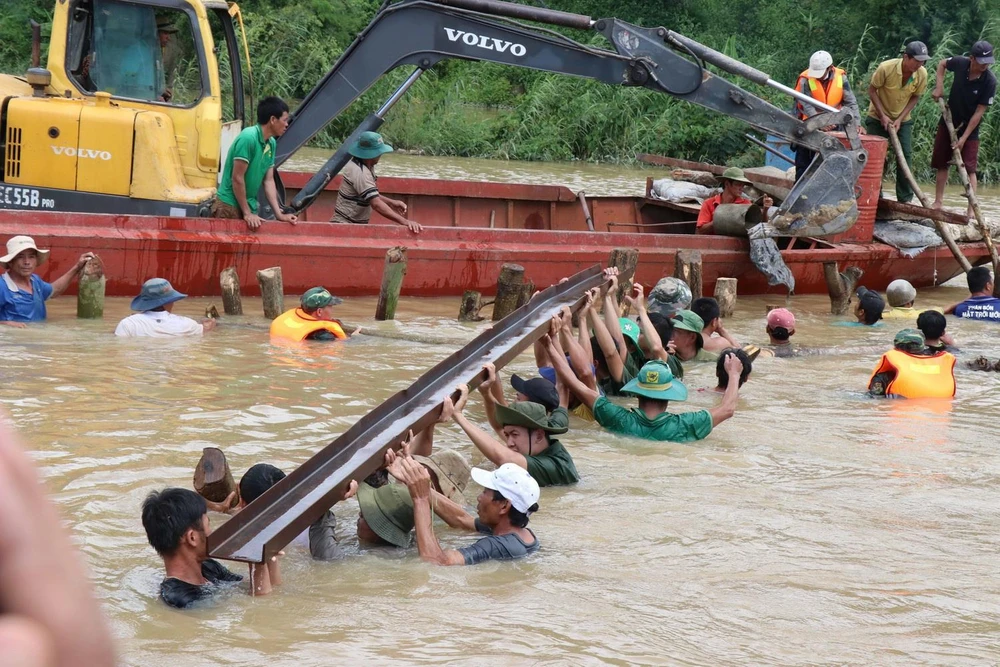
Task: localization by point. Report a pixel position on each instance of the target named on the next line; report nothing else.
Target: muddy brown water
(815, 527)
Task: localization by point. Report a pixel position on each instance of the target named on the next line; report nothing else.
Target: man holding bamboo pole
(972, 91)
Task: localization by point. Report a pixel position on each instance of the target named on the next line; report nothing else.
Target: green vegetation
(486, 110)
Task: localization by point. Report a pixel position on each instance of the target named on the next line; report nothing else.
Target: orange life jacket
(918, 376)
(296, 325)
(832, 94)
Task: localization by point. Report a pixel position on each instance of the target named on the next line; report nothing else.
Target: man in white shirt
(154, 318)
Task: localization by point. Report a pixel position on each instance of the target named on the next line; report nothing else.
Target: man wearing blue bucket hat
(359, 195)
(655, 386)
(154, 317)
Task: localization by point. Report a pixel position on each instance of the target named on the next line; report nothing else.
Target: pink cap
(781, 317)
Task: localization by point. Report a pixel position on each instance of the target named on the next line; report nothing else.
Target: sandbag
(680, 191)
(766, 257)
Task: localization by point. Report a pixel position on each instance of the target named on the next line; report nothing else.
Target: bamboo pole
(392, 283)
(904, 170)
(963, 175)
(90, 292)
(272, 291)
(232, 302)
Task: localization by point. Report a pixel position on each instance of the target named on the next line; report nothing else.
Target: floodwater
(816, 527)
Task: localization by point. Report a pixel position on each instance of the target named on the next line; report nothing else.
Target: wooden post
(725, 294)
(905, 172)
(510, 287)
(626, 260)
(526, 291)
(963, 176)
(687, 267)
(213, 479)
(90, 292)
(392, 282)
(840, 285)
(472, 303)
(272, 291)
(232, 302)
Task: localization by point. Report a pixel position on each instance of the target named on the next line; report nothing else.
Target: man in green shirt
(528, 432)
(249, 164)
(655, 386)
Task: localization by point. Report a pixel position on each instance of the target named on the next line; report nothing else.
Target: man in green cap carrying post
(529, 445)
(689, 342)
(359, 195)
(655, 386)
(312, 320)
(733, 180)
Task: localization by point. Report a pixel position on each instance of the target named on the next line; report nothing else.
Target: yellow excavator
(141, 99)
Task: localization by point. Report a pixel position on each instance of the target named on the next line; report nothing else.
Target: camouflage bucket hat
(319, 297)
(909, 340)
(669, 296)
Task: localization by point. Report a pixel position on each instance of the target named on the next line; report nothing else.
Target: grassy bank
(486, 110)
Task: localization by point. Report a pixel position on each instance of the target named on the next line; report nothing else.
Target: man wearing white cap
(827, 84)
(22, 293)
(509, 496)
(154, 318)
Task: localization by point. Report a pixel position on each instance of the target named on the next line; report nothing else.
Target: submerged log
(90, 293)
(510, 287)
(840, 285)
(725, 294)
(213, 480)
(272, 291)
(232, 302)
(472, 303)
(392, 283)
(687, 267)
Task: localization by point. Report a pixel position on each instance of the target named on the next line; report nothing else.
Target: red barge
(471, 229)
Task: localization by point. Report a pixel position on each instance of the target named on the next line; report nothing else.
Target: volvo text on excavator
(141, 99)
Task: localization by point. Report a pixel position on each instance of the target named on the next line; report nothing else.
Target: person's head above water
(932, 324)
(386, 515)
(910, 341)
(655, 386)
(319, 303)
(980, 281)
(176, 523)
(780, 325)
(537, 390)
(258, 479)
(688, 338)
(720, 367)
(707, 309)
(526, 427)
(900, 294)
(870, 306)
(509, 493)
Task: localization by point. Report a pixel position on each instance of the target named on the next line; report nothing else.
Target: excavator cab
(133, 114)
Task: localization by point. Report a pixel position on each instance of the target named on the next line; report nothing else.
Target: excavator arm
(421, 33)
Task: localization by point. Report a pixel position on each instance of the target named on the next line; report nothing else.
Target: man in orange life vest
(313, 320)
(907, 371)
(827, 84)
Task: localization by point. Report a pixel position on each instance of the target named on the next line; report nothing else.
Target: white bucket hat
(819, 63)
(18, 244)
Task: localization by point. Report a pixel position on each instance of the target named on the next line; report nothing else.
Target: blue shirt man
(22, 293)
(981, 304)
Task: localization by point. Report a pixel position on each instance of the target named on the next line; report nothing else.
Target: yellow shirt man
(893, 92)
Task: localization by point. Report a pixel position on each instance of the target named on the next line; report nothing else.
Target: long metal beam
(267, 524)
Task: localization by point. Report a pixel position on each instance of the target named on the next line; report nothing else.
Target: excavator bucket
(823, 202)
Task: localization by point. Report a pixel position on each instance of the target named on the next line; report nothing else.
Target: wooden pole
(725, 294)
(840, 285)
(582, 198)
(687, 267)
(213, 479)
(392, 282)
(963, 175)
(510, 287)
(526, 291)
(90, 292)
(626, 260)
(472, 303)
(272, 291)
(904, 171)
(232, 302)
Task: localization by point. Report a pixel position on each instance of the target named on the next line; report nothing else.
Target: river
(815, 527)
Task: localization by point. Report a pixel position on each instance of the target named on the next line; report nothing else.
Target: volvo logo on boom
(82, 153)
(484, 42)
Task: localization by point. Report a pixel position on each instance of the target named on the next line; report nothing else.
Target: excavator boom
(421, 33)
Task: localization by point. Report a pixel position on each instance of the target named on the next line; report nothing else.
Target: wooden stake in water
(687, 267)
(90, 293)
(232, 302)
(725, 294)
(392, 283)
(272, 291)
(840, 286)
(510, 290)
(472, 302)
(626, 260)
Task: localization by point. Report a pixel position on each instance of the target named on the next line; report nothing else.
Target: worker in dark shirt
(972, 92)
(176, 523)
(509, 496)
